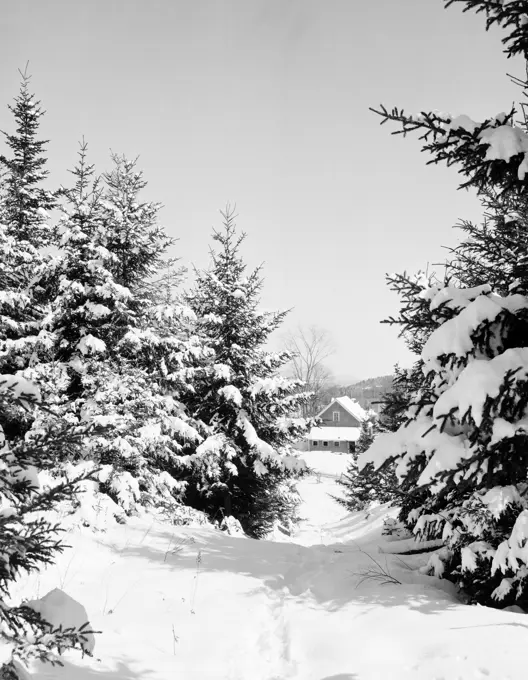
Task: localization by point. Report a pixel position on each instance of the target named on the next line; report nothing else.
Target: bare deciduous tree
(310, 347)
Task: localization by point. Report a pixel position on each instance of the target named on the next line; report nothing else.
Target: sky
(265, 104)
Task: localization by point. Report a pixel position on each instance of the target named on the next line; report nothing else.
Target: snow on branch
(272, 385)
(19, 388)
(454, 298)
(512, 552)
(481, 381)
(265, 451)
(494, 152)
(89, 343)
(419, 438)
(455, 336)
(231, 393)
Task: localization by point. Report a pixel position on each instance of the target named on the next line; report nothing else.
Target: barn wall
(342, 447)
(345, 419)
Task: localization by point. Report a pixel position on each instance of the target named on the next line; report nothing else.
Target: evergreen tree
(135, 237)
(110, 360)
(412, 392)
(365, 486)
(461, 454)
(30, 539)
(162, 344)
(24, 232)
(25, 202)
(247, 465)
(90, 310)
(164, 340)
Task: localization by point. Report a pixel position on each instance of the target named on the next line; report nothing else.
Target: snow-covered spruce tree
(24, 231)
(107, 357)
(409, 395)
(465, 443)
(164, 341)
(247, 466)
(363, 487)
(162, 345)
(26, 202)
(412, 389)
(88, 309)
(29, 539)
(461, 458)
(135, 237)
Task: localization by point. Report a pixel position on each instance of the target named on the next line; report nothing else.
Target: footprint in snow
(274, 641)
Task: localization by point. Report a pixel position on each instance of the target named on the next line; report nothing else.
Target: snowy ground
(198, 604)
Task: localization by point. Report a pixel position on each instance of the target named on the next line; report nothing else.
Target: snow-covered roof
(350, 405)
(344, 434)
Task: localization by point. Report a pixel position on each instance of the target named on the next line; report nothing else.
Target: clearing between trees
(199, 604)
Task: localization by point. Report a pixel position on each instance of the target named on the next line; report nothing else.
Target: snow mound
(232, 526)
(62, 611)
(201, 604)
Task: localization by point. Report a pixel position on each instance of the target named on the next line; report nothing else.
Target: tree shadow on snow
(315, 574)
(70, 671)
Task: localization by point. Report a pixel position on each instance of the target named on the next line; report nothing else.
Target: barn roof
(350, 405)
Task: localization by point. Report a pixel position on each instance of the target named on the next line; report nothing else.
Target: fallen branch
(410, 546)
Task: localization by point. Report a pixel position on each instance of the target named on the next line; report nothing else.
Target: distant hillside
(365, 391)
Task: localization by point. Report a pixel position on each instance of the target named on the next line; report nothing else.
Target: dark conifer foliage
(25, 202)
(247, 465)
(510, 15)
(30, 540)
(24, 231)
(396, 400)
(32, 437)
(117, 354)
(494, 252)
(366, 486)
(460, 453)
(491, 153)
(136, 238)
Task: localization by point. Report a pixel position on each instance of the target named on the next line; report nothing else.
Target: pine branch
(510, 16)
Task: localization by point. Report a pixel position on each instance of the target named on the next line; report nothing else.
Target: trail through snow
(197, 604)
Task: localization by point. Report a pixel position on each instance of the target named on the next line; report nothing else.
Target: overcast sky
(265, 103)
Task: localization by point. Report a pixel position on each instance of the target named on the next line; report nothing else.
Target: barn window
(325, 443)
(336, 444)
(314, 442)
(335, 416)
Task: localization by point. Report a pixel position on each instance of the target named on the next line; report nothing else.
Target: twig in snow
(106, 600)
(177, 548)
(147, 532)
(377, 573)
(175, 639)
(62, 577)
(112, 610)
(198, 563)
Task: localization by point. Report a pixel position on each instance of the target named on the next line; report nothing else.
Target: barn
(340, 427)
